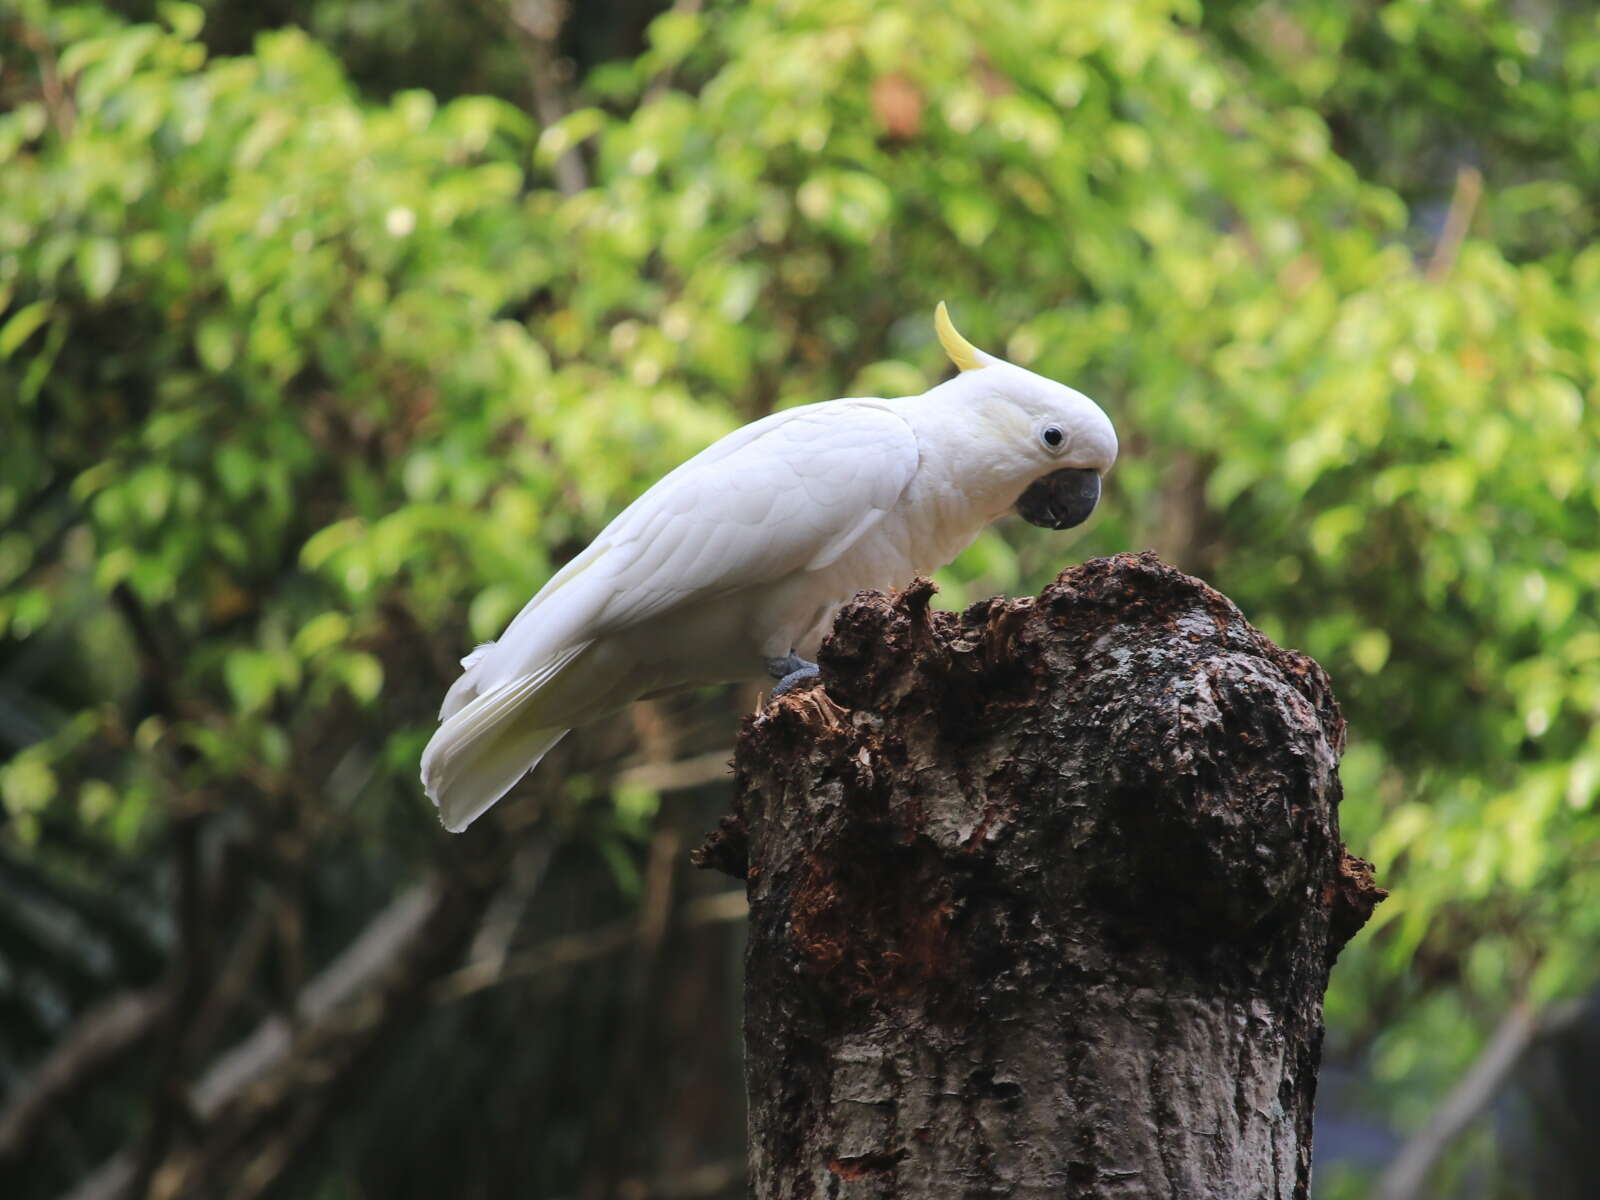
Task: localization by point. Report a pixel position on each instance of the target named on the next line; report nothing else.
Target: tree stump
(1043, 899)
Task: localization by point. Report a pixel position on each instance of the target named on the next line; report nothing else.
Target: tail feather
(485, 746)
(467, 685)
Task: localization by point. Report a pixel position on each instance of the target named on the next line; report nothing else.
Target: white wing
(789, 493)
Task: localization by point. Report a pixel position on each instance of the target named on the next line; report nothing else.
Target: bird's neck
(962, 484)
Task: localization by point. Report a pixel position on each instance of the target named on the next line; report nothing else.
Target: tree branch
(1463, 205)
(492, 942)
(1405, 1177)
(712, 767)
(360, 963)
(538, 26)
(346, 983)
(101, 1036)
(570, 949)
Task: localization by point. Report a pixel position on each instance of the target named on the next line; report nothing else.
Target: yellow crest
(960, 350)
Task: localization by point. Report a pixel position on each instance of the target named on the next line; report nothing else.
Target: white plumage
(742, 555)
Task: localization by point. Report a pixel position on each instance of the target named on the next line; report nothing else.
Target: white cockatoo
(734, 564)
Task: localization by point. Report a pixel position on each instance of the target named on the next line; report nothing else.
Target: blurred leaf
(22, 325)
(99, 263)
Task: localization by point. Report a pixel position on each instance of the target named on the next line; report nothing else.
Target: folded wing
(786, 494)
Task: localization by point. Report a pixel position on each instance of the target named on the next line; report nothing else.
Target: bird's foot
(790, 670)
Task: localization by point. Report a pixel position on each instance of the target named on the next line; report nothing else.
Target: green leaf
(1370, 650)
(185, 20)
(99, 263)
(363, 675)
(250, 679)
(27, 784)
(22, 325)
(673, 35)
(321, 633)
(216, 344)
(572, 129)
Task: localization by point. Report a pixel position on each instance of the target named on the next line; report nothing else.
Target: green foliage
(1456, 81)
(304, 392)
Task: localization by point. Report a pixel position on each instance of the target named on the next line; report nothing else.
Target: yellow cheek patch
(960, 350)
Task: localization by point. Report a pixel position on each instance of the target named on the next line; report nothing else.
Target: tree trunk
(1043, 899)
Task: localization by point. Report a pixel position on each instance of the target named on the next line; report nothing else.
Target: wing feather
(759, 515)
(788, 493)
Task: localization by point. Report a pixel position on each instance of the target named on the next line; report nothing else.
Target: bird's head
(1056, 442)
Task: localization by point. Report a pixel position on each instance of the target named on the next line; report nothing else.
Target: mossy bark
(1043, 899)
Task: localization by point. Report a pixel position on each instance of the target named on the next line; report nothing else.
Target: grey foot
(790, 670)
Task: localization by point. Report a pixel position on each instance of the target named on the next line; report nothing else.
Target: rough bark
(1043, 899)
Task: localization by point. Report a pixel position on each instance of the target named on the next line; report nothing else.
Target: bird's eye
(1052, 435)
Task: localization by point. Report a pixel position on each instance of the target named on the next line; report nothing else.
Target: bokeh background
(328, 329)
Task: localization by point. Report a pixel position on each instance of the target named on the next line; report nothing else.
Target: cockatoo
(734, 564)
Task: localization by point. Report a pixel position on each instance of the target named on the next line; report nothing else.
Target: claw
(789, 671)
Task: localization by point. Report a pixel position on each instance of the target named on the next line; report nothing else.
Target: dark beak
(1060, 499)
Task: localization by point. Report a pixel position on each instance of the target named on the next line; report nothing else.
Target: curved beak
(1060, 499)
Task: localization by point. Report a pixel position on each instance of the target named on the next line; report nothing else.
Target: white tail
(489, 743)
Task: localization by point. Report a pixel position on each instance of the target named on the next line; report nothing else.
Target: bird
(733, 565)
